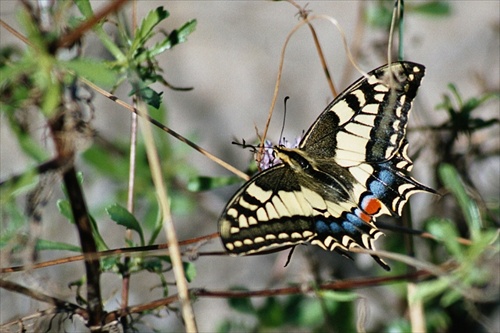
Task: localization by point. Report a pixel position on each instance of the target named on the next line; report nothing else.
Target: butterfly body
(350, 167)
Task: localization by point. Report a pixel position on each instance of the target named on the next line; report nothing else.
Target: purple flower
(269, 159)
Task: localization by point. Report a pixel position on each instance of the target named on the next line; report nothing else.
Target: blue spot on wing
(322, 227)
(349, 227)
(355, 220)
(336, 228)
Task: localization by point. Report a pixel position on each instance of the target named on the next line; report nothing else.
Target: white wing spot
(234, 230)
(328, 241)
(319, 243)
(343, 111)
(246, 204)
(262, 215)
(349, 142)
(370, 108)
(380, 88)
(257, 192)
(366, 119)
(279, 206)
(259, 240)
(296, 235)
(243, 222)
(252, 220)
(360, 96)
(358, 130)
(238, 243)
(270, 237)
(379, 97)
(232, 212)
(289, 199)
(307, 233)
(316, 201)
(247, 241)
(271, 211)
(283, 236)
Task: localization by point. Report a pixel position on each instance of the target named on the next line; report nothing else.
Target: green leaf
(101, 159)
(184, 31)
(378, 16)
(145, 30)
(451, 179)
(148, 95)
(271, 314)
(204, 183)
(123, 217)
(189, 271)
(43, 244)
(338, 296)
(65, 209)
(243, 305)
(98, 72)
(430, 289)
(310, 313)
(446, 232)
(85, 8)
(175, 37)
(436, 8)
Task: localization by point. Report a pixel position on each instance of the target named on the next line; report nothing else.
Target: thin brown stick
(36, 295)
(291, 290)
(108, 253)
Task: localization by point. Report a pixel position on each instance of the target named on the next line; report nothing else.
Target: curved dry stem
(168, 224)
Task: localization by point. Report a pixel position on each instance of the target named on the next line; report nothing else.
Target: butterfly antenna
(284, 119)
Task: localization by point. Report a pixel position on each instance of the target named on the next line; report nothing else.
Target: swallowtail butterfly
(350, 167)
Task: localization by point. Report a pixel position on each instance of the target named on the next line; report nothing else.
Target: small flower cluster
(269, 159)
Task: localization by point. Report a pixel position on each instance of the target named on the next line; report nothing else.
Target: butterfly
(350, 167)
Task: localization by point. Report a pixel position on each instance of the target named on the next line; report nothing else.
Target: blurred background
(231, 62)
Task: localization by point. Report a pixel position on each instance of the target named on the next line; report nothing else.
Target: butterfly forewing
(350, 167)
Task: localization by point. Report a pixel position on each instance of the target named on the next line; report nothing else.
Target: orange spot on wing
(365, 217)
(372, 207)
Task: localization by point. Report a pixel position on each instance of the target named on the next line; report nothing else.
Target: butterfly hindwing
(350, 167)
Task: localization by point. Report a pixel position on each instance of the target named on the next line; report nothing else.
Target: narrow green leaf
(446, 232)
(189, 271)
(85, 8)
(430, 289)
(436, 8)
(183, 32)
(65, 209)
(338, 296)
(204, 183)
(43, 244)
(123, 217)
(99, 241)
(451, 179)
(145, 30)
